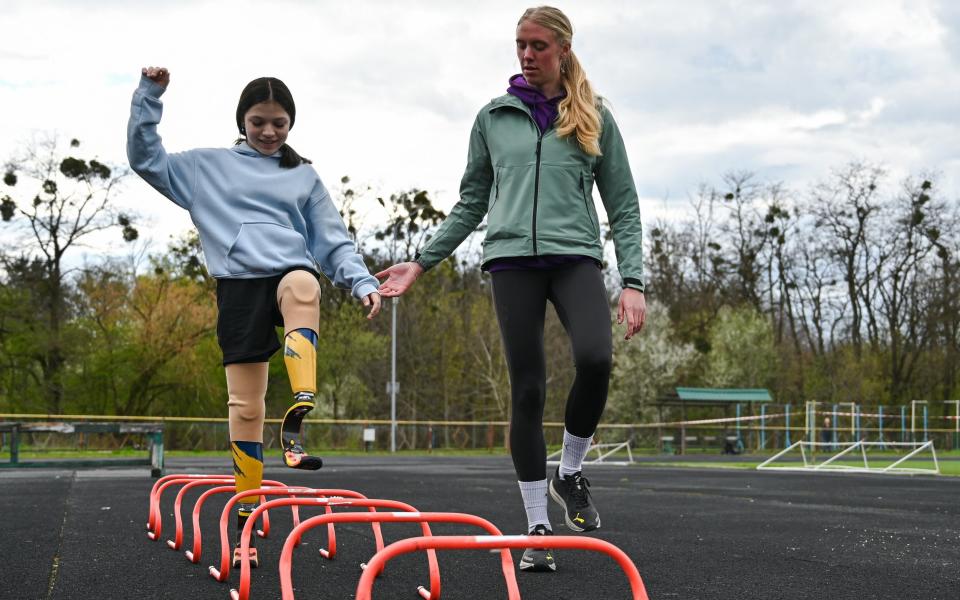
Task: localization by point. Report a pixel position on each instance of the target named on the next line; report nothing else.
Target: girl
(533, 158)
(266, 223)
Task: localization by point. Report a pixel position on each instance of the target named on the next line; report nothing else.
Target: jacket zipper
(536, 183)
(536, 191)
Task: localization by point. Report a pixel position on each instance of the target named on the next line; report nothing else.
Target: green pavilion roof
(721, 395)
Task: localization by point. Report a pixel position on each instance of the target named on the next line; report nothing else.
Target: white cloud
(386, 92)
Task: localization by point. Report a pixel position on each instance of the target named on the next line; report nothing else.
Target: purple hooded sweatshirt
(544, 109)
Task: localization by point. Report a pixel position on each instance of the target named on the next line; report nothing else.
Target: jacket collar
(245, 149)
(509, 101)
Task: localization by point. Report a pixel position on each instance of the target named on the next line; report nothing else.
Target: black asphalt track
(693, 533)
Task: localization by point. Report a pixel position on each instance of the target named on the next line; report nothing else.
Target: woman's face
(267, 125)
(539, 54)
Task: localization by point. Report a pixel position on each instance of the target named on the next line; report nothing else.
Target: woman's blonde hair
(577, 113)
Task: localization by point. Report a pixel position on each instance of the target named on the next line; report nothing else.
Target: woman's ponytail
(578, 114)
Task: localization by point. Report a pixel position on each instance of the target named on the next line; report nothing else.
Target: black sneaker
(572, 494)
(536, 560)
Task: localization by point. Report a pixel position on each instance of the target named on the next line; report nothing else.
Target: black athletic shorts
(248, 316)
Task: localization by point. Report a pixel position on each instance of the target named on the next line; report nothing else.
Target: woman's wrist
(418, 267)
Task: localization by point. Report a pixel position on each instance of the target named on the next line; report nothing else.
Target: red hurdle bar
(223, 572)
(196, 552)
(178, 535)
(157, 524)
(365, 587)
(286, 556)
(370, 517)
(155, 496)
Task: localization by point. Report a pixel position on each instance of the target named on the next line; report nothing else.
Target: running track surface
(693, 533)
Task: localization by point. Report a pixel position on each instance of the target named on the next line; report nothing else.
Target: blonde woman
(534, 157)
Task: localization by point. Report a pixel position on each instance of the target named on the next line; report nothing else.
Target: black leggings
(579, 297)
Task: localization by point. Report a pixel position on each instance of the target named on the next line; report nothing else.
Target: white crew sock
(574, 449)
(535, 503)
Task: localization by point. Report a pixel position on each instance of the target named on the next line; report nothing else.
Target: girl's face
(540, 55)
(267, 125)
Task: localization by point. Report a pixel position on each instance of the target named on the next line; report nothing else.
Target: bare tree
(843, 208)
(902, 272)
(69, 200)
(746, 235)
(411, 218)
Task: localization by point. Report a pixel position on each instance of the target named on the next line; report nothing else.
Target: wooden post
(683, 427)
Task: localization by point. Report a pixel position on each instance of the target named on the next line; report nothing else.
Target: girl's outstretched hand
(399, 278)
(373, 301)
(159, 75)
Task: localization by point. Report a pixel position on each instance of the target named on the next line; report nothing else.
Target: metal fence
(773, 427)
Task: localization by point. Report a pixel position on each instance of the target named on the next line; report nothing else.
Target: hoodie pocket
(265, 248)
(588, 205)
(495, 192)
(508, 216)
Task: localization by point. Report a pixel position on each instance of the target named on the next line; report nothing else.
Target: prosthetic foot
(252, 556)
(244, 511)
(294, 456)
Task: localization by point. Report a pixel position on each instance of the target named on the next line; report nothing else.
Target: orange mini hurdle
(155, 492)
(353, 517)
(365, 587)
(175, 543)
(286, 556)
(196, 552)
(223, 572)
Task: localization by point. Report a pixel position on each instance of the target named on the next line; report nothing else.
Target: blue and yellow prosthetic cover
(248, 471)
(300, 358)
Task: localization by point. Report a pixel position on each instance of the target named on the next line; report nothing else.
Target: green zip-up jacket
(537, 193)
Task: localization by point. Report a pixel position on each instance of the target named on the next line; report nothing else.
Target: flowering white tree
(742, 350)
(645, 366)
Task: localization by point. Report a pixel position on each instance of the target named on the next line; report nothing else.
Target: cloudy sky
(386, 91)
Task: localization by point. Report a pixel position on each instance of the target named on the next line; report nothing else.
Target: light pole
(393, 374)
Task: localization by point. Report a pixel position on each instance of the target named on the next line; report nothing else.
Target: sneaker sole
(566, 518)
(303, 462)
(534, 568)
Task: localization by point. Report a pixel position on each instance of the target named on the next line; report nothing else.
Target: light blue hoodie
(255, 218)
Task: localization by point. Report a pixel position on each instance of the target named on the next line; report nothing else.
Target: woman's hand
(633, 306)
(372, 300)
(158, 75)
(399, 278)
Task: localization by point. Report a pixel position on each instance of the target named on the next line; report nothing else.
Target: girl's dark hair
(265, 89)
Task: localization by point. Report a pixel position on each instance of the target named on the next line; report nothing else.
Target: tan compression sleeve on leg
(247, 389)
(298, 296)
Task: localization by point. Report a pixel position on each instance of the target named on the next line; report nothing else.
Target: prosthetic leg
(247, 388)
(248, 472)
(300, 356)
(298, 296)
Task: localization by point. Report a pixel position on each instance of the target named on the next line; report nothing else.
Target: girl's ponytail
(290, 159)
